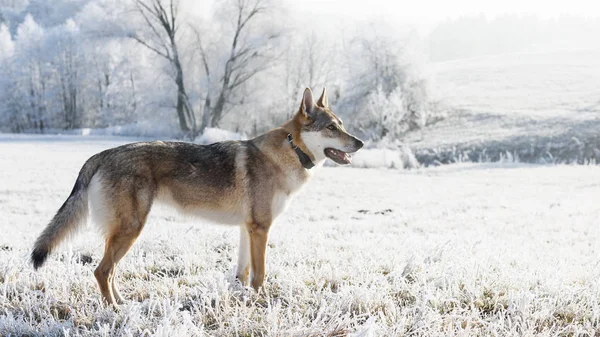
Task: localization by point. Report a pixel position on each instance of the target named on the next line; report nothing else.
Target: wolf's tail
(70, 216)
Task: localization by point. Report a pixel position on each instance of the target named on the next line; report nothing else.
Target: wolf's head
(323, 133)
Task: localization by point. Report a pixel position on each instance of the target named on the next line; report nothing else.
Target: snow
(138, 129)
(213, 135)
(465, 249)
(384, 158)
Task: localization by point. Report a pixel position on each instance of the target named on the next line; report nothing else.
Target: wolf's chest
(280, 203)
(282, 198)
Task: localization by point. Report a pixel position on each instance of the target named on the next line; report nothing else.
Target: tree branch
(142, 42)
(202, 51)
(153, 28)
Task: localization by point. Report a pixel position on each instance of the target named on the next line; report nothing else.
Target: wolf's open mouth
(338, 156)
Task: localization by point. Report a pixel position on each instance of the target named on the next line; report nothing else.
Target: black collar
(304, 158)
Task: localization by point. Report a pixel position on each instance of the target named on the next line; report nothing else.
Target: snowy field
(464, 249)
(536, 84)
(500, 98)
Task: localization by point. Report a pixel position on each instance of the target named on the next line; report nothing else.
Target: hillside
(541, 106)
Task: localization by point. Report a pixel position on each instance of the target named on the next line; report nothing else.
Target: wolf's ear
(307, 107)
(323, 101)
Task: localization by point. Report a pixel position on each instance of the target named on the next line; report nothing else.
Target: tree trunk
(205, 115)
(181, 96)
(217, 112)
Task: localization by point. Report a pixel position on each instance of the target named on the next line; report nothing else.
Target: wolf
(245, 183)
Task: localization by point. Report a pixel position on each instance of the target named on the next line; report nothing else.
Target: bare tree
(163, 25)
(310, 61)
(246, 58)
(386, 94)
(207, 73)
(316, 59)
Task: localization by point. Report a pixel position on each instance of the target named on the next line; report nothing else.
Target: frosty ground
(456, 250)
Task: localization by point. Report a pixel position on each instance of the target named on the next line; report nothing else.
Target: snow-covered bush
(402, 158)
(213, 135)
(386, 93)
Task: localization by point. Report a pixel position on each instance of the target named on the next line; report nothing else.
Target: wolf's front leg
(258, 248)
(243, 267)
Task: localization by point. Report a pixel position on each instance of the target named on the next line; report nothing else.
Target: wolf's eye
(331, 127)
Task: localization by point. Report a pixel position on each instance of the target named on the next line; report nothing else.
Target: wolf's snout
(358, 143)
(344, 157)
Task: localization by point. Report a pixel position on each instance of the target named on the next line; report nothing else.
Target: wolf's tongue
(338, 156)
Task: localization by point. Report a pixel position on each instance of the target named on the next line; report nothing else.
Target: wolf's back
(70, 216)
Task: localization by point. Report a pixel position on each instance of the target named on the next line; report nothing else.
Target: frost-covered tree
(7, 46)
(7, 49)
(67, 62)
(311, 59)
(114, 82)
(247, 47)
(70, 64)
(48, 87)
(116, 67)
(30, 77)
(160, 35)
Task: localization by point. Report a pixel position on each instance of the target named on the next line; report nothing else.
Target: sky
(433, 11)
(421, 14)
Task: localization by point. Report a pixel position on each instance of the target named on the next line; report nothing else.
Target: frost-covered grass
(457, 250)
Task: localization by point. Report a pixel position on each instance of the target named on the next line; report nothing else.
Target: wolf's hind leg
(117, 245)
(103, 274)
(122, 233)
